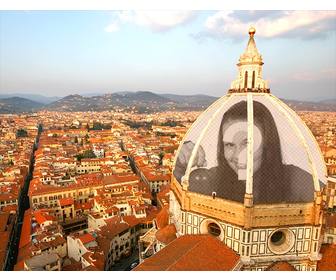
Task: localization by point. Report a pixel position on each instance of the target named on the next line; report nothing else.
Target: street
(124, 264)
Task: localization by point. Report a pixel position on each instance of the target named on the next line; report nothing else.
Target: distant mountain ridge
(34, 97)
(14, 105)
(140, 101)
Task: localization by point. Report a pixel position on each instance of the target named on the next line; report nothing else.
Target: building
(249, 174)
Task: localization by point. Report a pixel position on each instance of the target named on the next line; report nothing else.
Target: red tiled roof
(328, 261)
(86, 238)
(281, 266)
(162, 217)
(115, 179)
(113, 227)
(153, 176)
(66, 201)
(19, 266)
(331, 220)
(192, 253)
(9, 208)
(4, 238)
(26, 229)
(84, 206)
(40, 219)
(166, 234)
(132, 220)
(3, 221)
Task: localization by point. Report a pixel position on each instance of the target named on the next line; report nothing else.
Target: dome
(250, 143)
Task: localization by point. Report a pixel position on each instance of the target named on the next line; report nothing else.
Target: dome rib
(315, 144)
(196, 122)
(250, 122)
(282, 108)
(224, 100)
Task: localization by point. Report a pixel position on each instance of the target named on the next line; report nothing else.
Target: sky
(57, 53)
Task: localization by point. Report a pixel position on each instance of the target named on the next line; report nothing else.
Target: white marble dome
(250, 142)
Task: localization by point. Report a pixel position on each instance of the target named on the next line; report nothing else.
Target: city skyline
(57, 53)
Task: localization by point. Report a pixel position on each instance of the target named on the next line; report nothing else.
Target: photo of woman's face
(235, 146)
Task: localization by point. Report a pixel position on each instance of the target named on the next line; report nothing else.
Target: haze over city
(57, 53)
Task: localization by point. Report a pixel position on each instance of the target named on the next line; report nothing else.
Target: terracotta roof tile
(3, 221)
(86, 238)
(66, 201)
(26, 229)
(192, 253)
(166, 234)
(132, 220)
(328, 261)
(331, 220)
(115, 179)
(162, 217)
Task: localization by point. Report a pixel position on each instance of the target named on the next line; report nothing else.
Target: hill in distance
(140, 101)
(14, 105)
(34, 97)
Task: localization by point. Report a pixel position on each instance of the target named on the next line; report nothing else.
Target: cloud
(113, 27)
(157, 21)
(324, 74)
(269, 24)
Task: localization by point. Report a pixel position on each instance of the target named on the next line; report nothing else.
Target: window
(253, 79)
(278, 238)
(214, 229)
(245, 81)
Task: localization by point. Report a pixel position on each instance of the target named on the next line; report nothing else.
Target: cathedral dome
(250, 144)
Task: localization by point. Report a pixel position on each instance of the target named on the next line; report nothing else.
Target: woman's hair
(271, 164)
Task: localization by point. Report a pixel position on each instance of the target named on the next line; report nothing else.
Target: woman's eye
(228, 145)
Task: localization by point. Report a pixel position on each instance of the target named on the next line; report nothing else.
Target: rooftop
(192, 253)
(328, 261)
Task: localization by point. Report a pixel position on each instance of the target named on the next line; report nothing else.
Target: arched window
(214, 229)
(253, 79)
(245, 81)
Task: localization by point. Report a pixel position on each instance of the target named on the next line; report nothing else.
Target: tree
(100, 126)
(21, 133)
(161, 155)
(86, 154)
